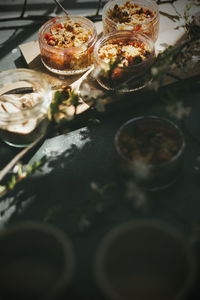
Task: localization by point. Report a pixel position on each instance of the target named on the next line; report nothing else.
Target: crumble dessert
(132, 16)
(66, 45)
(122, 57)
(67, 34)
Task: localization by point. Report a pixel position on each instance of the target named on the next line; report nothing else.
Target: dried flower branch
(22, 173)
(173, 59)
(58, 112)
(64, 105)
(160, 2)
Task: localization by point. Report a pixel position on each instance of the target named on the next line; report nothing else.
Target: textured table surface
(86, 155)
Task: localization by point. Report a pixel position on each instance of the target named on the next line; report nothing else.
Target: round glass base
(165, 185)
(17, 145)
(66, 72)
(124, 89)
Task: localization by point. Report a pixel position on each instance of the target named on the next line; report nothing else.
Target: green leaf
(2, 188)
(12, 183)
(74, 98)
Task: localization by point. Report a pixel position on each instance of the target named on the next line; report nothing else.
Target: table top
(61, 192)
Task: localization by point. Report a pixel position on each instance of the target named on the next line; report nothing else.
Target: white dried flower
(90, 92)
(96, 72)
(195, 59)
(99, 105)
(135, 195)
(154, 71)
(140, 169)
(173, 66)
(84, 223)
(94, 186)
(177, 110)
(85, 91)
(154, 85)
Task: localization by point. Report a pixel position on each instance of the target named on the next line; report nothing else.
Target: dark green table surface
(61, 192)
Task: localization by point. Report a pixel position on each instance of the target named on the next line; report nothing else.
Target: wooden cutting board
(31, 53)
(168, 35)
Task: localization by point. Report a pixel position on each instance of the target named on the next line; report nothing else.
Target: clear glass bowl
(25, 97)
(37, 262)
(119, 18)
(67, 56)
(145, 259)
(123, 76)
(150, 151)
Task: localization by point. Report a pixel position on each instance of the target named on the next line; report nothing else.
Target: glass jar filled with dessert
(25, 97)
(150, 151)
(122, 59)
(135, 15)
(66, 44)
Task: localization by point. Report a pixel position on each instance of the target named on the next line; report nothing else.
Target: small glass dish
(36, 262)
(122, 59)
(150, 151)
(66, 44)
(25, 97)
(145, 259)
(136, 15)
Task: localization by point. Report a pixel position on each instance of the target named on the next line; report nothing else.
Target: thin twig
(173, 76)
(14, 27)
(61, 7)
(99, 7)
(13, 162)
(24, 8)
(174, 18)
(27, 18)
(160, 2)
(177, 12)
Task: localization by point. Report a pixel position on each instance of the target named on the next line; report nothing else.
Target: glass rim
(150, 118)
(63, 51)
(109, 3)
(9, 118)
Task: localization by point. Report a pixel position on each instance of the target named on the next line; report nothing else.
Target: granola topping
(129, 52)
(151, 146)
(130, 14)
(67, 34)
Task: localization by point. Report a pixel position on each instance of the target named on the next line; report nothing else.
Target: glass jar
(135, 15)
(122, 59)
(35, 250)
(25, 97)
(66, 44)
(149, 151)
(145, 259)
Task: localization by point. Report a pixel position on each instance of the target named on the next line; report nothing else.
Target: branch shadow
(66, 182)
(18, 38)
(60, 193)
